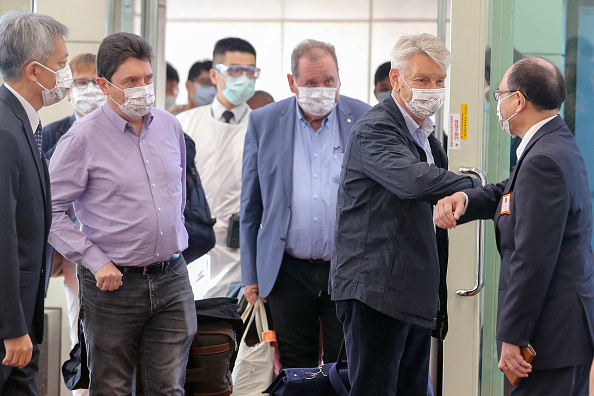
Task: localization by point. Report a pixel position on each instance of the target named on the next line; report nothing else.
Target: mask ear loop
(411, 90)
(110, 97)
(50, 70)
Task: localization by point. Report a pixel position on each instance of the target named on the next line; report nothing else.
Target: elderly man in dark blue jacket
(385, 273)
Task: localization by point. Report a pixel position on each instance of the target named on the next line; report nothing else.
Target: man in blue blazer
(291, 168)
(33, 63)
(543, 223)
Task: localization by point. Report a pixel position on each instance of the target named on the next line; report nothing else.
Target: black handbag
(75, 370)
(198, 221)
(330, 379)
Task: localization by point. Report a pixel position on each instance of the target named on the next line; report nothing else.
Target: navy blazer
(53, 132)
(546, 284)
(267, 185)
(25, 218)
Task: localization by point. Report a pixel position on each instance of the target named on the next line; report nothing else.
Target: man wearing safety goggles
(220, 129)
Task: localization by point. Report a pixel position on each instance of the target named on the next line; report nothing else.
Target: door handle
(480, 241)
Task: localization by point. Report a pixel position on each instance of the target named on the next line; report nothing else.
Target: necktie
(39, 139)
(227, 115)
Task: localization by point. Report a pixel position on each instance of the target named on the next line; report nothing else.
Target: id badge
(505, 204)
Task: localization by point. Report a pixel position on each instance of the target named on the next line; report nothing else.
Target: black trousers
(566, 381)
(19, 382)
(386, 356)
(301, 307)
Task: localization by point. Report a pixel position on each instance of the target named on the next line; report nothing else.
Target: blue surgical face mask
(486, 104)
(383, 95)
(204, 95)
(239, 89)
(169, 101)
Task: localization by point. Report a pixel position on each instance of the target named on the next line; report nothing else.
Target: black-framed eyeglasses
(497, 93)
(84, 82)
(238, 70)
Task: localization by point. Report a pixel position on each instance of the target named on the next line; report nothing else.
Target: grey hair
(311, 48)
(423, 44)
(26, 36)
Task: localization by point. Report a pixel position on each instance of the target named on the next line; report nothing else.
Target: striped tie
(39, 139)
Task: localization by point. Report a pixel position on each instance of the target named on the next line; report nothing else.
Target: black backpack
(199, 223)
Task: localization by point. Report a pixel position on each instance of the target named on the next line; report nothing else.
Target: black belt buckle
(155, 266)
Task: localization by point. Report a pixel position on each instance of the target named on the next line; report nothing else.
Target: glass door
(488, 36)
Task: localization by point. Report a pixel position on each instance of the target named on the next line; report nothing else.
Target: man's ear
(189, 85)
(520, 101)
(103, 85)
(214, 78)
(394, 74)
(31, 71)
(292, 84)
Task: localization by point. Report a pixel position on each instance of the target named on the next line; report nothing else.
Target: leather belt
(153, 268)
(311, 260)
(318, 261)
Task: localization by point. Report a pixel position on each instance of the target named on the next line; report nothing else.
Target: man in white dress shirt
(219, 132)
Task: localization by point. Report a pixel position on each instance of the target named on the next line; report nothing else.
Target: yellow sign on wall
(464, 121)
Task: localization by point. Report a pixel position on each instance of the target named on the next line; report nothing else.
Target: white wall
(363, 32)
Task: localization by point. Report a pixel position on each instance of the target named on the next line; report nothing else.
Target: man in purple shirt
(123, 168)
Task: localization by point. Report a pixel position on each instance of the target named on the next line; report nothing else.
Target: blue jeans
(150, 321)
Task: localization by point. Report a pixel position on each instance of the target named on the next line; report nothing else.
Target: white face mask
(138, 100)
(503, 123)
(317, 101)
(424, 102)
(86, 100)
(62, 87)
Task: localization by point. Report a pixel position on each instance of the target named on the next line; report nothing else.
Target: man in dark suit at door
(543, 222)
(33, 58)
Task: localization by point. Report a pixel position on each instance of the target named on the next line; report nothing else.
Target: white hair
(24, 37)
(423, 44)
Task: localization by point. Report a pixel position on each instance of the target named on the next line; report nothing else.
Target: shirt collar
(302, 121)
(31, 113)
(426, 128)
(119, 122)
(218, 109)
(530, 134)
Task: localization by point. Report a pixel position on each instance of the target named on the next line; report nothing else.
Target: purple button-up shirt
(128, 190)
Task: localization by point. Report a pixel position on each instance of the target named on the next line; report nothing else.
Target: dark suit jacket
(25, 218)
(267, 185)
(546, 285)
(53, 132)
(385, 251)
